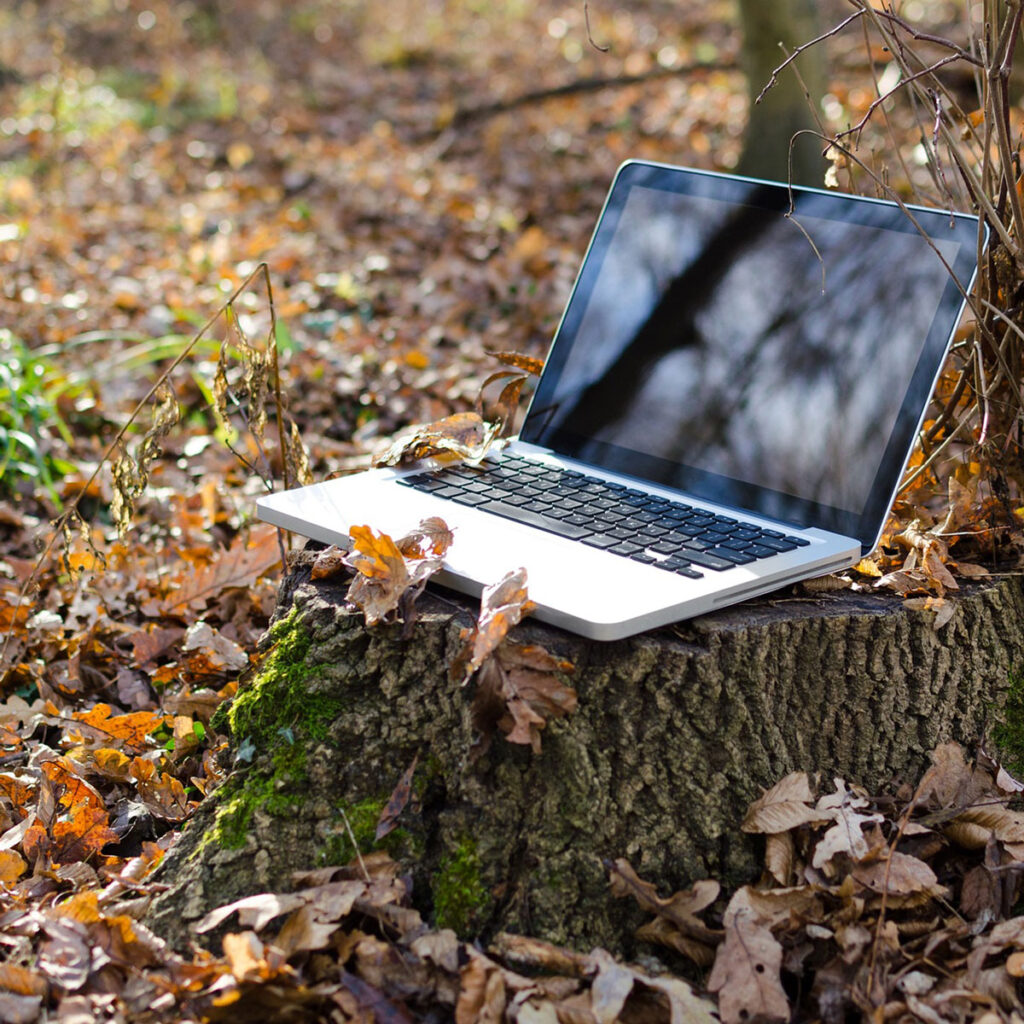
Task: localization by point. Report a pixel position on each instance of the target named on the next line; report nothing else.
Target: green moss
(362, 818)
(460, 896)
(278, 704)
(278, 792)
(1008, 733)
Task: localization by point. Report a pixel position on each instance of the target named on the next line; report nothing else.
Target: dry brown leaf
(502, 605)
(212, 651)
(388, 820)
(610, 988)
(463, 435)
(1006, 825)
(22, 981)
(786, 805)
(390, 575)
(685, 1006)
(244, 954)
(779, 855)
(943, 608)
(746, 974)
(679, 910)
(254, 912)
(15, 1009)
(846, 836)
(12, 866)
(330, 562)
(898, 875)
(239, 566)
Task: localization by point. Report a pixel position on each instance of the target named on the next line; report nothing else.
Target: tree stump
(675, 732)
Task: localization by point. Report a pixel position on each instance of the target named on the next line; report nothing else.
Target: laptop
(727, 407)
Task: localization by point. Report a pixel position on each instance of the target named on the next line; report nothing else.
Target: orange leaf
(240, 566)
(21, 980)
(130, 731)
(12, 867)
(86, 831)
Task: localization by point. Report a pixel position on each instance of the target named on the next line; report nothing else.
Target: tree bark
(771, 147)
(675, 733)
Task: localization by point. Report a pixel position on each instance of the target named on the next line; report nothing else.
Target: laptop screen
(764, 348)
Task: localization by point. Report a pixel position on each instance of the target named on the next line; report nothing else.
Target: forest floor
(420, 180)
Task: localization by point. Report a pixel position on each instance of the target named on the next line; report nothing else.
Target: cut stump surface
(675, 733)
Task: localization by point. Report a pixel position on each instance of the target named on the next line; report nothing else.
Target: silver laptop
(727, 407)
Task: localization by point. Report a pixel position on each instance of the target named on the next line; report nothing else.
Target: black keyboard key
(664, 547)
(696, 544)
(625, 548)
(736, 545)
(578, 519)
(599, 540)
(521, 515)
(682, 569)
(800, 542)
(468, 498)
(709, 561)
(760, 551)
(731, 555)
(776, 543)
(643, 556)
(747, 533)
(712, 536)
(700, 520)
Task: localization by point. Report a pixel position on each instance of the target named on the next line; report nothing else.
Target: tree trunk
(771, 147)
(675, 733)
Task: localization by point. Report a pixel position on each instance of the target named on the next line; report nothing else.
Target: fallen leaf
(463, 435)
(502, 605)
(746, 974)
(786, 805)
(610, 988)
(396, 803)
(386, 577)
(897, 875)
(212, 651)
(328, 563)
(239, 566)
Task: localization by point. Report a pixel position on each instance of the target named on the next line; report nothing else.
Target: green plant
(30, 386)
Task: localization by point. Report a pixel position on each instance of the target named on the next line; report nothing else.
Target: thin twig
(590, 37)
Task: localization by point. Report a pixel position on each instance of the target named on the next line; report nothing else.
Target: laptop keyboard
(621, 520)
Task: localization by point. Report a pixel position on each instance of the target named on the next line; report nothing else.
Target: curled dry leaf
(396, 802)
(502, 605)
(519, 689)
(676, 923)
(390, 575)
(329, 562)
(943, 608)
(529, 364)
(463, 435)
(788, 804)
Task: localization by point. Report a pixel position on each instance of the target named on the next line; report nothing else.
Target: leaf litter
(107, 704)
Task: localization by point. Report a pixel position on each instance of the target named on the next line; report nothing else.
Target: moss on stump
(675, 733)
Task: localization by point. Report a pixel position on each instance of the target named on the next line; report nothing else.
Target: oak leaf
(463, 435)
(239, 566)
(99, 724)
(519, 690)
(389, 574)
(502, 605)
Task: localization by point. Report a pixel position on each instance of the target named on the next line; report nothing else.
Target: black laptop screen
(769, 362)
